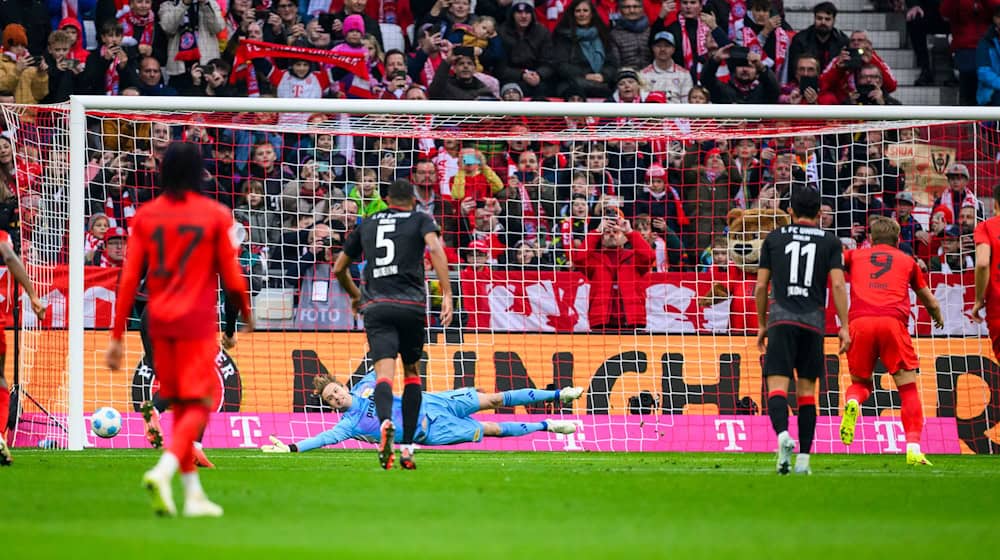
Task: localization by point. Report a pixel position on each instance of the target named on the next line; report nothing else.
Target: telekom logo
(891, 433)
(732, 432)
(245, 428)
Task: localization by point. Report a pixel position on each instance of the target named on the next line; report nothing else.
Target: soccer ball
(106, 422)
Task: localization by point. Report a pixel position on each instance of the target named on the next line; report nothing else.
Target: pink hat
(656, 171)
(354, 23)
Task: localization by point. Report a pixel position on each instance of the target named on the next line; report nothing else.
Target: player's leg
(809, 366)
(520, 397)
(861, 357)
(5, 457)
(512, 429)
(778, 367)
(383, 346)
(412, 335)
(151, 408)
(158, 479)
(912, 415)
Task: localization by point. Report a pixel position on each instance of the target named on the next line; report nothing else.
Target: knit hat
(656, 171)
(14, 35)
(354, 23)
(512, 86)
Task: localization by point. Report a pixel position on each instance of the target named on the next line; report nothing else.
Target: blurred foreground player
(881, 278)
(394, 292)
(183, 242)
(797, 260)
(16, 269)
(987, 239)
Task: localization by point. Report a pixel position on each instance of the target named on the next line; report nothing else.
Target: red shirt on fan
(880, 278)
(988, 232)
(181, 244)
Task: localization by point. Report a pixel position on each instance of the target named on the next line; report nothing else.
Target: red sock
(913, 412)
(189, 421)
(859, 392)
(4, 408)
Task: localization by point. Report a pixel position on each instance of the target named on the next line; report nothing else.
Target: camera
(262, 14)
(806, 82)
(863, 91)
(326, 22)
(856, 59)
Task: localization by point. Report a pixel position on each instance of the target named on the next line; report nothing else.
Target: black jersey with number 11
(392, 242)
(800, 258)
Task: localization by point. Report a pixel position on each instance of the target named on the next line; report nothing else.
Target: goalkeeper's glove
(276, 446)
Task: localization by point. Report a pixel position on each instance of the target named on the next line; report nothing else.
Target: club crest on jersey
(227, 399)
(367, 392)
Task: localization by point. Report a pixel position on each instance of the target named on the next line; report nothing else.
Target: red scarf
(250, 50)
(430, 67)
(119, 218)
(781, 42)
(737, 10)
(702, 37)
(92, 243)
(130, 22)
(111, 78)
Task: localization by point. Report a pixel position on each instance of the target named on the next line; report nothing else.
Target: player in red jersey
(987, 239)
(881, 276)
(16, 268)
(183, 242)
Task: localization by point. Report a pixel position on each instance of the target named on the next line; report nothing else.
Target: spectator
(910, 231)
(316, 37)
(444, 14)
(62, 69)
(97, 227)
(535, 197)
(822, 39)
(827, 215)
(511, 92)
(239, 14)
(585, 56)
(482, 37)
(859, 202)
(952, 258)
(595, 166)
(25, 75)
(350, 84)
(33, 16)
(804, 88)
(109, 194)
(191, 27)
(308, 195)
(665, 76)
(750, 81)
(923, 18)
(631, 33)
(366, 193)
(630, 88)
(111, 254)
(969, 20)
(71, 26)
(764, 31)
(869, 90)
(474, 181)
(656, 241)
(614, 259)
(423, 64)
(151, 79)
(395, 62)
(211, 80)
(109, 65)
(716, 256)
(699, 96)
(707, 200)
(526, 256)
(263, 225)
(284, 25)
(139, 28)
(988, 64)
(692, 27)
(959, 192)
(527, 45)
(842, 77)
(463, 85)
(659, 202)
(747, 172)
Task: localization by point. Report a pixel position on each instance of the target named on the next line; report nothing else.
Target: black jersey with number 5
(800, 258)
(392, 243)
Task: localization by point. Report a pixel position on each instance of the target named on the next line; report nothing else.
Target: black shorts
(790, 347)
(395, 329)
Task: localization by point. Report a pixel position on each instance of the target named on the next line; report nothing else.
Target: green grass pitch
(339, 504)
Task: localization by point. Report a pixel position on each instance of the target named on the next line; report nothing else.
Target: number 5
(383, 242)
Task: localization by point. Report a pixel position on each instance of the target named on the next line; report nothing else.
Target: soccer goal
(610, 246)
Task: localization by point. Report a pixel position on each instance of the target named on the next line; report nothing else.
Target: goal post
(686, 379)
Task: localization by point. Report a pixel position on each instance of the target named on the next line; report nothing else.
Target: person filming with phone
(841, 80)
(18, 68)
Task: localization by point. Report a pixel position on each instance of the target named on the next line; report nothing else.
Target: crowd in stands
(609, 209)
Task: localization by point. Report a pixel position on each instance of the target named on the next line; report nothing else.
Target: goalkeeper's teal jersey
(361, 422)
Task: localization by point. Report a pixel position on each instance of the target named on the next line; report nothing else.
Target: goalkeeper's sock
(4, 408)
(412, 395)
(807, 422)
(511, 429)
(859, 391)
(913, 412)
(777, 409)
(528, 396)
(383, 399)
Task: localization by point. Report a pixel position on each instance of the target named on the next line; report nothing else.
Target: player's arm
(231, 313)
(760, 295)
(336, 434)
(135, 264)
(983, 257)
(16, 268)
(341, 267)
(838, 287)
(931, 304)
(233, 283)
(440, 263)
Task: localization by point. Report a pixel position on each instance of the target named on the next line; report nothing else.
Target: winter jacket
(446, 86)
(807, 41)
(530, 50)
(571, 65)
(969, 20)
(988, 68)
(210, 23)
(28, 86)
(624, 267)
(765, 92)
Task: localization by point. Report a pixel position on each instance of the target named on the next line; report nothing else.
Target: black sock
(383, 401)
(807, 427)
(159, 403)
(412, 395)
(777, 409)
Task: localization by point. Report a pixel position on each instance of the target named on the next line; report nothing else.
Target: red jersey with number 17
(880, 280)
(988, 233)
(183, 244)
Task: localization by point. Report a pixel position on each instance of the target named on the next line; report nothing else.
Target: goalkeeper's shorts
(447, 417)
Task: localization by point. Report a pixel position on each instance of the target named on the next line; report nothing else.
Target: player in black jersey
(393, 300)
(796, 260)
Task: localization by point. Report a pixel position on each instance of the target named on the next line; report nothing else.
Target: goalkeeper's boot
(151, 416)
(850, 419)
(570, 394)
(786, 445)
(199, 457)
(200, 506)
(5, 458)
(160, 492)
(406, 458)
(386, 435)
(916, 458)
(560, 426)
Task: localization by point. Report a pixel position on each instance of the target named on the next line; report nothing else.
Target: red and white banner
(100, 286)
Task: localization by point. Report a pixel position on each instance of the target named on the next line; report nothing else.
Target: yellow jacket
(28, 86)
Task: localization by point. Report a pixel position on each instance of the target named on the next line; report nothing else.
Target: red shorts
(880, 337)
(994, 330)
(185, 368)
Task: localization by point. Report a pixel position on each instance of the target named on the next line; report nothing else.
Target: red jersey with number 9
(880, 280)
(988, 233)
(183, 244)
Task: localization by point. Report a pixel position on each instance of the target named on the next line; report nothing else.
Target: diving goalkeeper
(443, 420)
